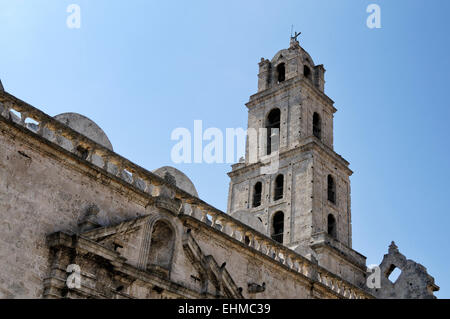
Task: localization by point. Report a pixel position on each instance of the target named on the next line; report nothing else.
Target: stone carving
(254, 288)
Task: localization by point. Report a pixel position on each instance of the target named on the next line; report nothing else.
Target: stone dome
(291, 63)
(177, 178)
(85, 126)
(294, 51)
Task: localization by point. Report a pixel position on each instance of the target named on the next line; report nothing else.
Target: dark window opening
(281, 71)
(273, 129)
(317, 125)
(307, 72)
(332, 226)
(247, 240)
(278, 227)
(331, 189)
(82, 152)
(393, 273)
(279, 184)
(257, 191)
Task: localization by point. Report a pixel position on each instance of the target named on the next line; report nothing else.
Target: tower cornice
(307, 144)
(289, 84)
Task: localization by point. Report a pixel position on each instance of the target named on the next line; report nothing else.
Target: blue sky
(143, 68)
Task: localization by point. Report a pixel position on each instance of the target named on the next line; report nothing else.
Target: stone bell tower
(295, 188)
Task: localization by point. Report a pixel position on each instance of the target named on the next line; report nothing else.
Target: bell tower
(295, 186)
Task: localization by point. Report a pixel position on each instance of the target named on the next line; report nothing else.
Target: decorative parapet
(18, 112)
(266, 246)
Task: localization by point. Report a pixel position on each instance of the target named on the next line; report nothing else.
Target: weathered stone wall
(341, 209)
(302, 205)
(44, 190)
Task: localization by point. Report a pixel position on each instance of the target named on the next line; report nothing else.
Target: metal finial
(296, 34)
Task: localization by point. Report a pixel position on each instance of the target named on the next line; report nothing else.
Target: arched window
(317, 125)
(279, 184)
(257, 190)
(307, 72)
(281, 72)
(278, 227)
(331, 189)
(161, 246)
(332, 226)
(273, 130)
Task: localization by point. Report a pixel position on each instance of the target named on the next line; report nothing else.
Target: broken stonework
(413, 283)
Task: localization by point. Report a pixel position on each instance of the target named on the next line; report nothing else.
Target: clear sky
(142, 68)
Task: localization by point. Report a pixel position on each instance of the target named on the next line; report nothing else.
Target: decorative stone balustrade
(41, 124)
(272, 249)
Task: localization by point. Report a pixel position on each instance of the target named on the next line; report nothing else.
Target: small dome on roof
(294, 57)
(85, 126)
(177, 178)
(294, 51)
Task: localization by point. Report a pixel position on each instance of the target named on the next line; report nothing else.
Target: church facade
(80, 221)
